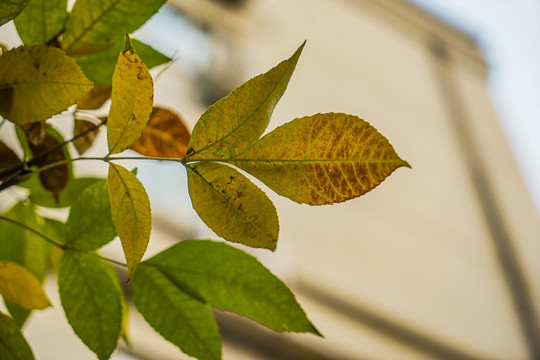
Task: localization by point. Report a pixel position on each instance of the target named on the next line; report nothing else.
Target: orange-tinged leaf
(21, 287)
(165, 135)
(8, 158)
(321, 159)
(56, 178)
(238, 120)
(37, 82)
(132, 100)
(85, 141)
(131, 214)
(95, 98)
(232, 206)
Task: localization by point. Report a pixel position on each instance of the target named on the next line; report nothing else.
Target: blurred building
(438, 262)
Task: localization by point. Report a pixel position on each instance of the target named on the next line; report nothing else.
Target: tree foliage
(79, 60)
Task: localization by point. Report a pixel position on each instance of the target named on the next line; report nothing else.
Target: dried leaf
(165, 135)
(8, 158)
(85, 141)
(36, 132)
(321, 159)
(132, 100)
(95, 98)
(56, 178)
(131, 214)
(37, 82)
(19, 286)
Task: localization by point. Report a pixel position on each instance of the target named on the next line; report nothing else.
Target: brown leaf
(84, 142)
(165, 135)
(95, 98)
(35, 132)
(7, 157)
(54, 179)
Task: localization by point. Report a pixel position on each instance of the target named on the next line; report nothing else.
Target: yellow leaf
(321, 159)
(131, 214)
(238, 120)
(85, 141)
(95, 98)
(165, 135)
(132, 100)
(37, 82)
(232, 206)
(21, 287)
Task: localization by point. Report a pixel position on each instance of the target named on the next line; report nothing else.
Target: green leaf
(13, 345)
(131, 214)
(131, 100)
(99, 67)
(41, 21)
(178, 317)
(233, 123)
(37, 82)
(230, 279)
(92, 300)
(40, 196)
(321, 159)
(232, 206)
(10, 9)
(19, 286)
(95, 25)
(26, 248)
(90, 224)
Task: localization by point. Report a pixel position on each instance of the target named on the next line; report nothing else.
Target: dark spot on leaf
(6, 100)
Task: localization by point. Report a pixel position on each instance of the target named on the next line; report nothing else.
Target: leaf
(95, 98)
(178, 317)
(95, 25)
(232, 206)
(321, 159)
(99, 67)
(24, 247)
(10, 9)
(84, 142)
(8, 158)
(13, 345)
(21, 287)
(231, 280)
(55, 178)
(165, 135)
(90, 224)
(132, 100)
(37, 82)
(232, 124)
(92, 300)
(41, 21)
(131, 214)
(36, 132)
(42, 197)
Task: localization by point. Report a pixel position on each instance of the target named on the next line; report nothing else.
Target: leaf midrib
(251, 115)
(92, 24)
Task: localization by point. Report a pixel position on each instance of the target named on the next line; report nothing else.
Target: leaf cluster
(83, 61)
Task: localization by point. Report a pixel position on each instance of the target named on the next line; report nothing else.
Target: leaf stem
(26, 227)
(57, 244)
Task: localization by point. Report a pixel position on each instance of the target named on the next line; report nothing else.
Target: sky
(508, 32)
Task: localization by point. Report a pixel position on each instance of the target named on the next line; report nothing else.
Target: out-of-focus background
(438, 262)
